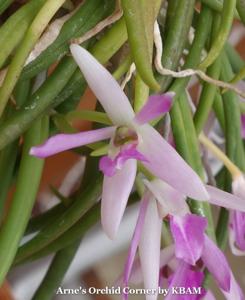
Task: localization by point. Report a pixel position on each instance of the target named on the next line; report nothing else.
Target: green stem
(241, 9)
(9, 154)
(13, 30)
(239, 76)
(217, 5)
(89, 115)
(177, 116)
(141, 93)
(35, 30)
(202, 34)
(221, 38)
(176, 33)
(77, 231)
(38, 222)
(202, 31)
(56, 272)
(28, 180)
(58, 88)
(209, 90)
(140, 17)
(207, 97)
(234, 145)
(123, 67)
(191, 135)
(222, 228)
(234, 57)
(219, 110)
(4, 4)
(83, 19)
(52, 231)
(74, 233)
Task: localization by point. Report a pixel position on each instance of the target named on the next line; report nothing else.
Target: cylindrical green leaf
(140, 16)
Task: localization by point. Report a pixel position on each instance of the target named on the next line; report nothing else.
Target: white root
(186, 72)
(117, 14)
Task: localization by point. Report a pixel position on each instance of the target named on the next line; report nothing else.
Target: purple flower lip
(188, 233)
(191, 244)
(109, 166)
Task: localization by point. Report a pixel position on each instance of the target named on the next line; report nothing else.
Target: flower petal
(232, 240)
(165, 163)
(135, 240)
(116, 190)
(235, 291)
(238, 187)
(109, 166)
(166, 256)
(212, 257)
(149, 249)
(243, 125)
(154, 107)
(238, 226)
(62, 142)
(172, 202)
(186, 278)
(188, 234)
(224, 199)
(104, 86)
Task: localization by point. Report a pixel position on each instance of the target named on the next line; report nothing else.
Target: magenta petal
(235, 291)
(154, 107)
(128, 152)
(224, 199)
(232, 243)
(116, 190)
(186, 278)
(149, 249)
(216, 263)
(62, 142)
(238, 226)
(136, 238)
(109, 166)
(164, 162)
(104, 86)
(188, 234)
(243, 125)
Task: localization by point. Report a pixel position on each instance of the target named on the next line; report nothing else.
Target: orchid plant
(152, 142)
(132, 140)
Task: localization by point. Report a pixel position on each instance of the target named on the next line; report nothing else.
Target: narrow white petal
(116, 190)
(149, 249)
(224, 199)
(172, 202)
(165, 163)
(104, 86)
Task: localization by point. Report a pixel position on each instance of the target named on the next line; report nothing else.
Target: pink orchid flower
(161, 200)
(131, 139)
(192, 244)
